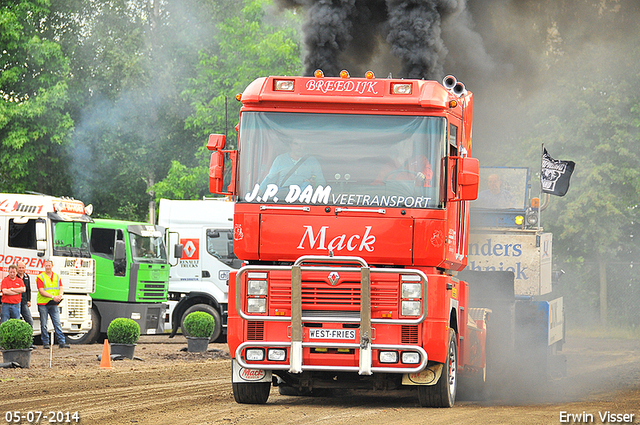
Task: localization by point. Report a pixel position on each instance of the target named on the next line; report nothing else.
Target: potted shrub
(199, 325)
(16, 338)
(123, 334)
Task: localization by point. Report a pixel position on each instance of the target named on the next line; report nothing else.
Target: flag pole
(540, 195)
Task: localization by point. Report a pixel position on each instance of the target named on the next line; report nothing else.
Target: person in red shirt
(12, 288)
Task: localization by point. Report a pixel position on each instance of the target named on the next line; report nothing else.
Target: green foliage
(15, 334)
(199, 324)
(34, 75)
(123, 331)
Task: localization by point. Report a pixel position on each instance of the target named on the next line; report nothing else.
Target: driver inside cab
(406, 165)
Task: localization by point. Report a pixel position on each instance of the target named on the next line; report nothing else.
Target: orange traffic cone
(105, 361)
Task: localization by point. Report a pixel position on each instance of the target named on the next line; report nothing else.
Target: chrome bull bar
(296, 319)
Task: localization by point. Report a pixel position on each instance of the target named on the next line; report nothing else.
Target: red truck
(351, 219)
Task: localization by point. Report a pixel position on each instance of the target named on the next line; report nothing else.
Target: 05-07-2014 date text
(36, 417)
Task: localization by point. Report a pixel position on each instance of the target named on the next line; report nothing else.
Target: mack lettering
(338, 243)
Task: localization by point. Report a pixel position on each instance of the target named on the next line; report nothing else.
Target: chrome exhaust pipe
(459, 89)
(449, 82)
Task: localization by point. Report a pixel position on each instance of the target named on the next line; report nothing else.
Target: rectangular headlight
(257, 287)
(255, 354)
(276, 354)
(411, 290)
(388, 357)
(410, 357)
(284, 85)
(257, 305)
(411, 308)
(401, 88)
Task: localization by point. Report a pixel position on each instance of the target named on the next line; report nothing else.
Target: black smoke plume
(349, 33)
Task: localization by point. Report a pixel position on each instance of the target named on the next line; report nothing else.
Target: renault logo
(333, 278)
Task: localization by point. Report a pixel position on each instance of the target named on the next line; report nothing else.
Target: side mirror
(177, 250)
(216, 142)
(120, 251)
(216, 172)
(41, 231)
(469, 178)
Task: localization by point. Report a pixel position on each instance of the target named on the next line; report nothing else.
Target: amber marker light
(239, 97)
(284, 85)
(535, 203)
(453, 103)
(401, 88)
(318, 73)
(369, 75)
(344, 74)
(519, 220)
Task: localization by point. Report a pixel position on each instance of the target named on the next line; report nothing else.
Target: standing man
(12, 289)
(26, 295)
(49, 296)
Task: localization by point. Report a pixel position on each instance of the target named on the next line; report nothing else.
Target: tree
(34, 125)
(247, 46)
(132, 65)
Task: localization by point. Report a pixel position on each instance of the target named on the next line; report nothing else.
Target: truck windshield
(148, 249)
(70, 239)
(341, 159)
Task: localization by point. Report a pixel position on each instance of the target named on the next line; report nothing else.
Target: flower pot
(125, 350)
(22, 356)
(197, 344)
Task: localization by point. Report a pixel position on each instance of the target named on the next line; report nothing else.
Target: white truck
(35, 227)
(199, 279)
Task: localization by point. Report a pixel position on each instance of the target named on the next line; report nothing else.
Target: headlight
(276, 354)
(410, 357)
(255, 354)
(411, 308)
(388, 357)
(411, 290)
(257, 287)
(257, 305)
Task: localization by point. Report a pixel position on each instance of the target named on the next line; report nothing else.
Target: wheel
(207, 309)
(443, 393)
(88, 337)
(257, 393)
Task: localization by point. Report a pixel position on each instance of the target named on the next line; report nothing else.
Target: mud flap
(428, 376)
(248, 376)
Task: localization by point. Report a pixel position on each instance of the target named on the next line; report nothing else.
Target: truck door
(111, 273)
(218, 259)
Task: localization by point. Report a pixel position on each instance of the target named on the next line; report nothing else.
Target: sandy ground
(170, 386)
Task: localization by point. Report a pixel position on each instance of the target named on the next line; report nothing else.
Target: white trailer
(199, 279)
(38, 227)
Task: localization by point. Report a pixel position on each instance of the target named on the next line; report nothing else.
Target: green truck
(132, 275)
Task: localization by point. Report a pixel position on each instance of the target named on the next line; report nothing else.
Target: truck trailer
(351, 217)
(510, 263)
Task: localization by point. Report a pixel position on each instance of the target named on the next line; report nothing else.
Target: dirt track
(170, 386)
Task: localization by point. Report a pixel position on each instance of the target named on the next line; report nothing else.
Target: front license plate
(332, 334)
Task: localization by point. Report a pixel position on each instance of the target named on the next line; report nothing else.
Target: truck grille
(152, 291)
(322, 296)
(77, 308)
(255, 331)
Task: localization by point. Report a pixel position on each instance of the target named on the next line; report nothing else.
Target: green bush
(15, 334)
(199, 324)
(123, 331)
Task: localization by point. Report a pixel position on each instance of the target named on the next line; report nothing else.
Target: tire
(257, 393)
(207, 309)
(443, 393)
(89, 337)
